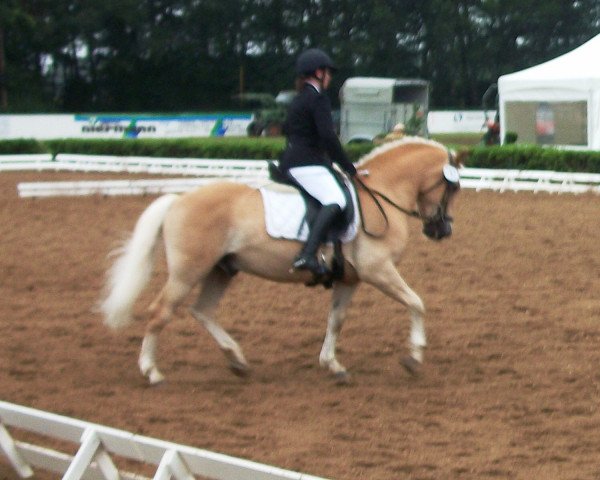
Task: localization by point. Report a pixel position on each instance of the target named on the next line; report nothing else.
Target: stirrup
(308, 263)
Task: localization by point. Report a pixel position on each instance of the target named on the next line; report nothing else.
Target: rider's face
(326, 78)
(324, 75)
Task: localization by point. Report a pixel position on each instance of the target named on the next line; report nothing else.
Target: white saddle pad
(285, 211)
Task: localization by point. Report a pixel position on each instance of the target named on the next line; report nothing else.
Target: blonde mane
(386, 147)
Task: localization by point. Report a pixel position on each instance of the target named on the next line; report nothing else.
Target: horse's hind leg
(204, 309)
(341, 297)
(388, 280)
(161, 310)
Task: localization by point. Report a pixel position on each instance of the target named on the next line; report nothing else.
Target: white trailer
(371, 106)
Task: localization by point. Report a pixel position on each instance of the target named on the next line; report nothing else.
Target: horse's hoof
(412, 366)
(155, 377)
(342, 378)
(239, 369)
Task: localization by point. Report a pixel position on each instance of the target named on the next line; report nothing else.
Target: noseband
(439, 225)
(436, 226)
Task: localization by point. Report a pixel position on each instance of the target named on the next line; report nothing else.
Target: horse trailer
(371, 106)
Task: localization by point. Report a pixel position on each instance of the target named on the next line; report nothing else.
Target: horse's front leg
(342, 294)
(387, 279)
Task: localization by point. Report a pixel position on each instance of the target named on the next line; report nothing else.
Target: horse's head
(425, 172)
(435, 200)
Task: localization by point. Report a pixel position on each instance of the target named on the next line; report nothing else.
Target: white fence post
(7, 445)
(172, 465)
(91, 450)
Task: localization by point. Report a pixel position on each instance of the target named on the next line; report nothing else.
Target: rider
(312, 146)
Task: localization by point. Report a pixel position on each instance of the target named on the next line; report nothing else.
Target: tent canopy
(556, 102)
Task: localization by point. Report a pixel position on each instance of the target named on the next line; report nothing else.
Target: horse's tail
(132, 269)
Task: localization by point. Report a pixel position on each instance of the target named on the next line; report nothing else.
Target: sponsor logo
(131, 130)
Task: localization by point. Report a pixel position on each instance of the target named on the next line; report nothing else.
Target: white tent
(556, 102)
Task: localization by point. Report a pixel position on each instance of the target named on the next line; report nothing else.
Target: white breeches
(320, 184)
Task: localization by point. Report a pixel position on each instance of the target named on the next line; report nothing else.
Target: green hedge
(522, 157)
(247, 148)
(22, 146)
(526, 157)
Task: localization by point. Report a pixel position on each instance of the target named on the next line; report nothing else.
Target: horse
(217, 230)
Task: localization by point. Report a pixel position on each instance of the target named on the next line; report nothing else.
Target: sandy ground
(510, 387)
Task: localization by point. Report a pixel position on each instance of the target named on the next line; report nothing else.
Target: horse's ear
(461, 157)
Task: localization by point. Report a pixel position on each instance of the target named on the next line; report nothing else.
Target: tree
(174, 55)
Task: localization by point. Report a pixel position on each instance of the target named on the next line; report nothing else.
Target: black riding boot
(307, 258)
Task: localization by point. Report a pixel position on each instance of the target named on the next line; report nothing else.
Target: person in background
(398, 132)
(312, 147)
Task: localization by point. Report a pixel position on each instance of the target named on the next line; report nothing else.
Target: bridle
(431, 223)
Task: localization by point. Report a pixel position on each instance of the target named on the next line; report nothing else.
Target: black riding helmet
(311, 60)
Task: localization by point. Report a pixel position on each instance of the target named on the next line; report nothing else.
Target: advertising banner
(183, 125)
(123, 125)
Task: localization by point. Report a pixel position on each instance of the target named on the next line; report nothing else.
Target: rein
(411, 213)
(374, 194)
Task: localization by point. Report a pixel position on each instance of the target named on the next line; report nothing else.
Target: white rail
(37, 161)
(120, 187)
(248, 171)
(96, 444)
(532, 180)
(163, 166)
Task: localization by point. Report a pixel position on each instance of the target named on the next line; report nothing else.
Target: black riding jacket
(311, 138)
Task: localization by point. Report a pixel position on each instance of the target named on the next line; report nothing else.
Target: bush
(510, 137)
(242, 148)
(248, 148)
(22, 146)
(513, 156)
(530, 157)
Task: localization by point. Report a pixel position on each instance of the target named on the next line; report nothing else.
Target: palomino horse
(213, 232)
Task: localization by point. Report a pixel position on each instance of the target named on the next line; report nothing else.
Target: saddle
(335, 271)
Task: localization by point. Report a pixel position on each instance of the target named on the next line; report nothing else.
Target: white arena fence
(251, 172)
(97, 443)
(109, 163)
(529, 180)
